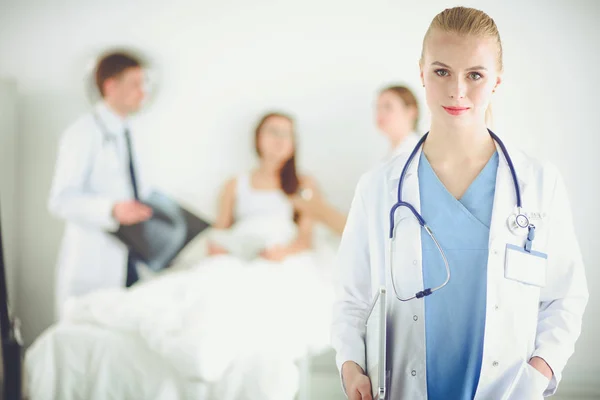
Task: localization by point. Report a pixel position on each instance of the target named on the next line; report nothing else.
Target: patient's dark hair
(289, 178)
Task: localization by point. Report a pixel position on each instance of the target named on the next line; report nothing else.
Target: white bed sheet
(76, 362)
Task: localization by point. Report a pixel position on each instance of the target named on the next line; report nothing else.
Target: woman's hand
(215, 250)
(310, 203)
(357, 384)
(275, 253)
(541, 365)
(315, 207)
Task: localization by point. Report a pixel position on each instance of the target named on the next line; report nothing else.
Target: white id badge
(526, 267)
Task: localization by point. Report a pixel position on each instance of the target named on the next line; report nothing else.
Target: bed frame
(12, 344)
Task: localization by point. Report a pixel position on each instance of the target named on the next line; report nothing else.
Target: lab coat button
(496, 307)
(415, 318)
(415, 262)
(413, 373)
(495, 363)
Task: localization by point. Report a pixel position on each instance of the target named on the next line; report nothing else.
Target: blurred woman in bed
(264, 194)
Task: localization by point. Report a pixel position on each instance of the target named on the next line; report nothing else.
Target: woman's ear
(498, 82)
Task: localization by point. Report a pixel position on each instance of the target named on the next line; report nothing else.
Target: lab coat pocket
(525, 267)
(539, 380)
(530, 384)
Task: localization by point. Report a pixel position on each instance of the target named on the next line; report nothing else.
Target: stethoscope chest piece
(518, 223)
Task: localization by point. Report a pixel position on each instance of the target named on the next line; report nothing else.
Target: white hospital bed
(88, 360)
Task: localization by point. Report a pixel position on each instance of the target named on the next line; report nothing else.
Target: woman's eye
(475, 76)
(441, 72)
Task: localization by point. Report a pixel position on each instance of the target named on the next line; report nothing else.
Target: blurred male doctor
(95, 187)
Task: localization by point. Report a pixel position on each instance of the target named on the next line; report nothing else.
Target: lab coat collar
(113, 123)
(409, 142)
(522, 164)
(396, 165)
(505, 197)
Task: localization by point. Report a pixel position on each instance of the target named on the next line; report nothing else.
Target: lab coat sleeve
(353, 285)
(69, 197)
(565, 296)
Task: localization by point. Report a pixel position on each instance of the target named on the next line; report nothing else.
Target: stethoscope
(110, 154)
(517, 222)
(107, 137)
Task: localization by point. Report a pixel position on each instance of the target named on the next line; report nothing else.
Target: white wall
(223, 63)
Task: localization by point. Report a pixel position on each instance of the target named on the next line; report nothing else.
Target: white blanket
(237, 325)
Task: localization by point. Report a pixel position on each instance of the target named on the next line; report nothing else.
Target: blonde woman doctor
(96, 187)
(485, 281)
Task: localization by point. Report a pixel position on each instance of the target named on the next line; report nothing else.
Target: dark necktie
(132, 275)
(131, 167)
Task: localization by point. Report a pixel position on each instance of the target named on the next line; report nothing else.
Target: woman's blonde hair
(467, 22)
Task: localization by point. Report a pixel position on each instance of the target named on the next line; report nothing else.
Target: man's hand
(131, 212)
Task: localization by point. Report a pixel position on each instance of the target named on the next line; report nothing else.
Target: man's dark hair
(112, 65)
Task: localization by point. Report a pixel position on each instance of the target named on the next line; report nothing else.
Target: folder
(375, 345)
(157, 241)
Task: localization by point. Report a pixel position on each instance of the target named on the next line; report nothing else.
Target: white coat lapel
(505, 197)
(406, 319)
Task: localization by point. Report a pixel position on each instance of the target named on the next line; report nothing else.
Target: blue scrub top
(455, 314)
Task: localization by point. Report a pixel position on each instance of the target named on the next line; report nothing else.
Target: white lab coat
(522, 321)
(406, 146)
(91, 175)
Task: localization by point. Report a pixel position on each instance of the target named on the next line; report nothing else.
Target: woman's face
(460, 74)
(393, 115)
(276, 139)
